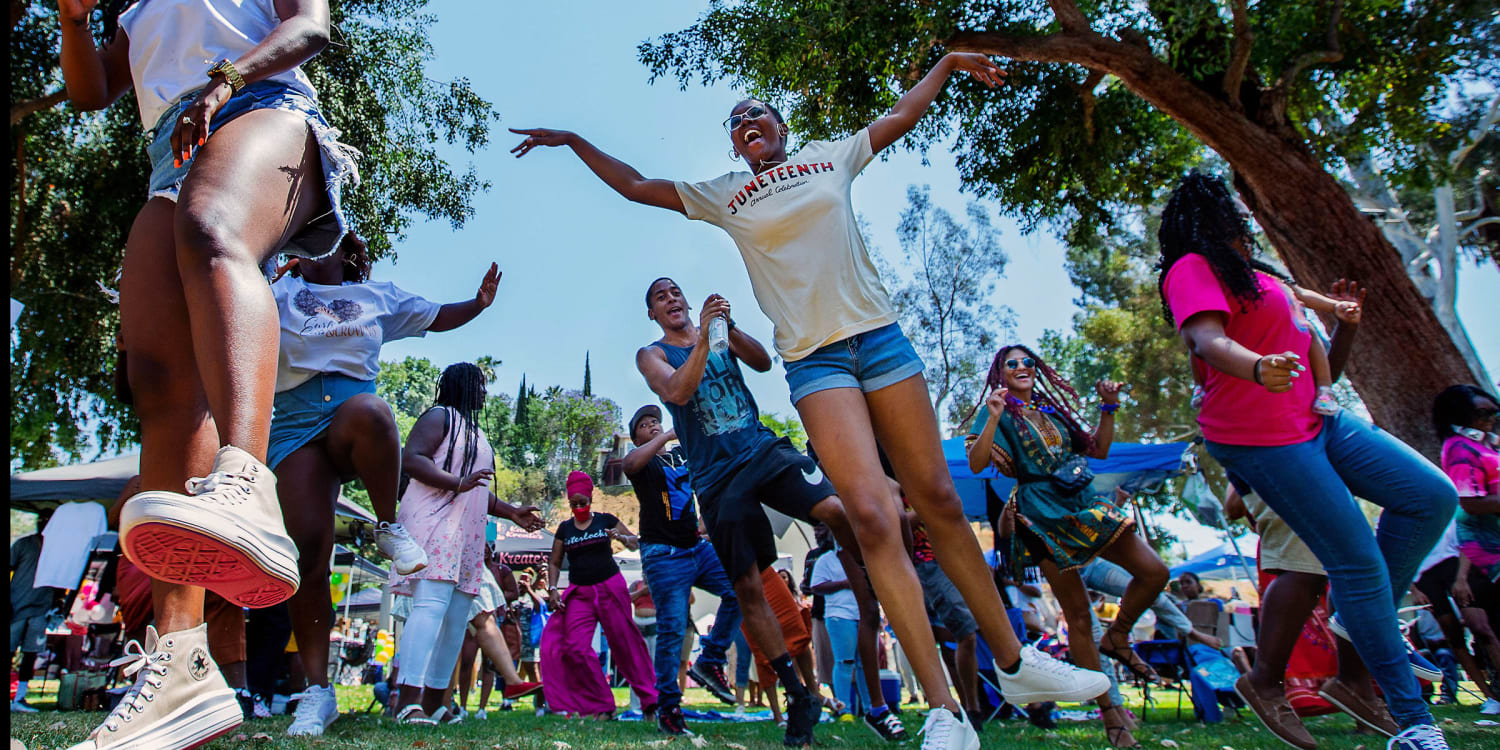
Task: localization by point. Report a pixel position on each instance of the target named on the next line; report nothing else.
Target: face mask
(1479, 436)
(581, 514)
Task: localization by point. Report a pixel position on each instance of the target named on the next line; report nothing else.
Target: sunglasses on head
(733, 122)
(1011, 364)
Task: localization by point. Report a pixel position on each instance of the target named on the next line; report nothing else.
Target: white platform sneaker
(396, 544)
(226, 535)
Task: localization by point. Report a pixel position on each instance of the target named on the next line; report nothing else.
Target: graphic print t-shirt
(590, 558)
(665, 491)
(720, 425)
(1475, 470)
(340, 329)
(795, 228)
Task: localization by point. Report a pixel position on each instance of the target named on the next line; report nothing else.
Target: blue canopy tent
(1222, 562)
(1134, 466)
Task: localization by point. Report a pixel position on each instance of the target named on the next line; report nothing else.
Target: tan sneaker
(1278, 716)
(1371, 713)
(226, 535)
(179, 699)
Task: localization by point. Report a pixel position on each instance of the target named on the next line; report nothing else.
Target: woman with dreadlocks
(243, 165)
(450, 462)
(328, 427)
(1257, 421)
(1031, 430)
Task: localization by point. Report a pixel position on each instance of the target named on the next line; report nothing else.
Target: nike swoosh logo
(813, 477)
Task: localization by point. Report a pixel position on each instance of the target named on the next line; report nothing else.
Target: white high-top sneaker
(179, 698)
(317, 711)
(1043, 678)
(226, 535)
(945, 731)
(395, 542)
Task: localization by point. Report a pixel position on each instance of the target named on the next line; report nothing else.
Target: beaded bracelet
(1109, 408)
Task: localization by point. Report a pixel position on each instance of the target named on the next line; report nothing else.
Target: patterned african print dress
(1050, 524)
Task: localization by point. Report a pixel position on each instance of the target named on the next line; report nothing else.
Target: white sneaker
(944, 731)
(316, 711)
(179, 698)
(396, 544)
(1043, 679)
(1490, 707)
(226, 535)
(481, 715)
(1419, 737)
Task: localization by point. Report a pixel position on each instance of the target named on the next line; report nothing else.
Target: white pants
(434, 634)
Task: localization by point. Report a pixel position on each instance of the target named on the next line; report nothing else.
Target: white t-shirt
(66, 542)
(795, 227)
(173, 43)
(1446, 547)
(340, 329)
(840, 603)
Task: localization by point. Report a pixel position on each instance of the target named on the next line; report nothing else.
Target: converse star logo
(198, 664)
(813, 477)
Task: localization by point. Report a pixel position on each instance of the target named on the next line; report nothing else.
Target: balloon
(337, 579)
(336, 593)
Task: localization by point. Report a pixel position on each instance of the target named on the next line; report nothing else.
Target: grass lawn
(521, 729)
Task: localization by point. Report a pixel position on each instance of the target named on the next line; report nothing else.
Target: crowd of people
(244, 452)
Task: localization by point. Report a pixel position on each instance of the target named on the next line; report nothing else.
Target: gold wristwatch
(232, 75)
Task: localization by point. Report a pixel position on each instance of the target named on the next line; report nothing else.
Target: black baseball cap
(649, 410)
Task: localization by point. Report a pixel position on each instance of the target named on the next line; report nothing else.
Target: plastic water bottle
(718, 335)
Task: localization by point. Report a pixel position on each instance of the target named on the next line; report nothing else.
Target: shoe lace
(937, 728)
(1421, 736)
(149, 669)
(308, 705)
(1043, 661)
(221, 479)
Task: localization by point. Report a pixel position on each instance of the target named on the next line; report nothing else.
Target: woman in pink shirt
(1257, 420)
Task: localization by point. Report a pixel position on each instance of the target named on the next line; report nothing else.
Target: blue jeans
(1108, 578)
(1309, 485)
(672, 572)
(843, 636)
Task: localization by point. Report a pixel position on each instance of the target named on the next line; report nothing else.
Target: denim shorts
(868, 361)
(322, 235)
(300, 415)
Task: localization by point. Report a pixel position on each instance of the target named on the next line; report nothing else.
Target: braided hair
(1051, 389)
(1201, 218)
(461, 388)
(110, 11)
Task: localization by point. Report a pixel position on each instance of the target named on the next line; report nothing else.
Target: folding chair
(1174, 660)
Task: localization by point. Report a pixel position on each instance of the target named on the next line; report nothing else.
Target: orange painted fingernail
(177, 162)
(201, 141)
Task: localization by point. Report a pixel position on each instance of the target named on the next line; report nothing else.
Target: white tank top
(173, 43)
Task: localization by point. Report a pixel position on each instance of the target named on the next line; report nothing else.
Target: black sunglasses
(1012, 364)
(733, 122)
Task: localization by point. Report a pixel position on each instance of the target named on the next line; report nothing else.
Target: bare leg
(255, 182)
(838, 421)
(492, 642)
(1285, 607)
(178, 437)
(906, 425)
(363, 441)
(967, 676)
(307, 488)
(466, 658)
(1148, 578)
(1074, 599)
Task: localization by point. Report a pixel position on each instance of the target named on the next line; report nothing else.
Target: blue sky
(577, 258)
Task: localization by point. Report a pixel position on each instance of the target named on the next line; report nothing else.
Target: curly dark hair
(1051, 389)
(1201, 218)
(1455, 406)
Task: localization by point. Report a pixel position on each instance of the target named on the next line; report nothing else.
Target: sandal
(1128, 658)
(405, 717)
(1116, 735)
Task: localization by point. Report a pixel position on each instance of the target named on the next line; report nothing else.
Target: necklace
(1033, 405)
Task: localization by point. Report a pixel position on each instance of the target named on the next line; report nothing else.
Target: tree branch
(1068, 16)
(1239, 58)
(18, 111)
(1086, 93)
(1491, 116)
(1332, 53)
(1486, 221)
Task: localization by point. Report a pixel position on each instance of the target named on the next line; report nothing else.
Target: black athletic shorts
(777, 476)
(1437, 582)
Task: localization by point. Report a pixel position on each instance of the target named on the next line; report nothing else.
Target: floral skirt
(1069, 531)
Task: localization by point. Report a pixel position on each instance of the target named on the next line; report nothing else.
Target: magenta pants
(570, 665)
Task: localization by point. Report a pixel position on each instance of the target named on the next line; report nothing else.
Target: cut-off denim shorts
(868, 361)
(322, 235)
(302, 414)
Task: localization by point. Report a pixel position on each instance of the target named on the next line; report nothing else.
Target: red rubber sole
(177, 555)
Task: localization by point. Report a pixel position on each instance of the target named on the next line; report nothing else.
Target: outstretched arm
(455, 314)
(914, 103)
(617, 174)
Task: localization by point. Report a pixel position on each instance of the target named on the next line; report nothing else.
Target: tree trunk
(1404, 357)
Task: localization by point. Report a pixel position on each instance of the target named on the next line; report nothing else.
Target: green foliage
(78, 179)
(942, 291)
(790, 428)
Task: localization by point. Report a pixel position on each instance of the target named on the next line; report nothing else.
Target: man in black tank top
(738, 466)
(675, 559)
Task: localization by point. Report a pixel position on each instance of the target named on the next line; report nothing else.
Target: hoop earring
(733, 156)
